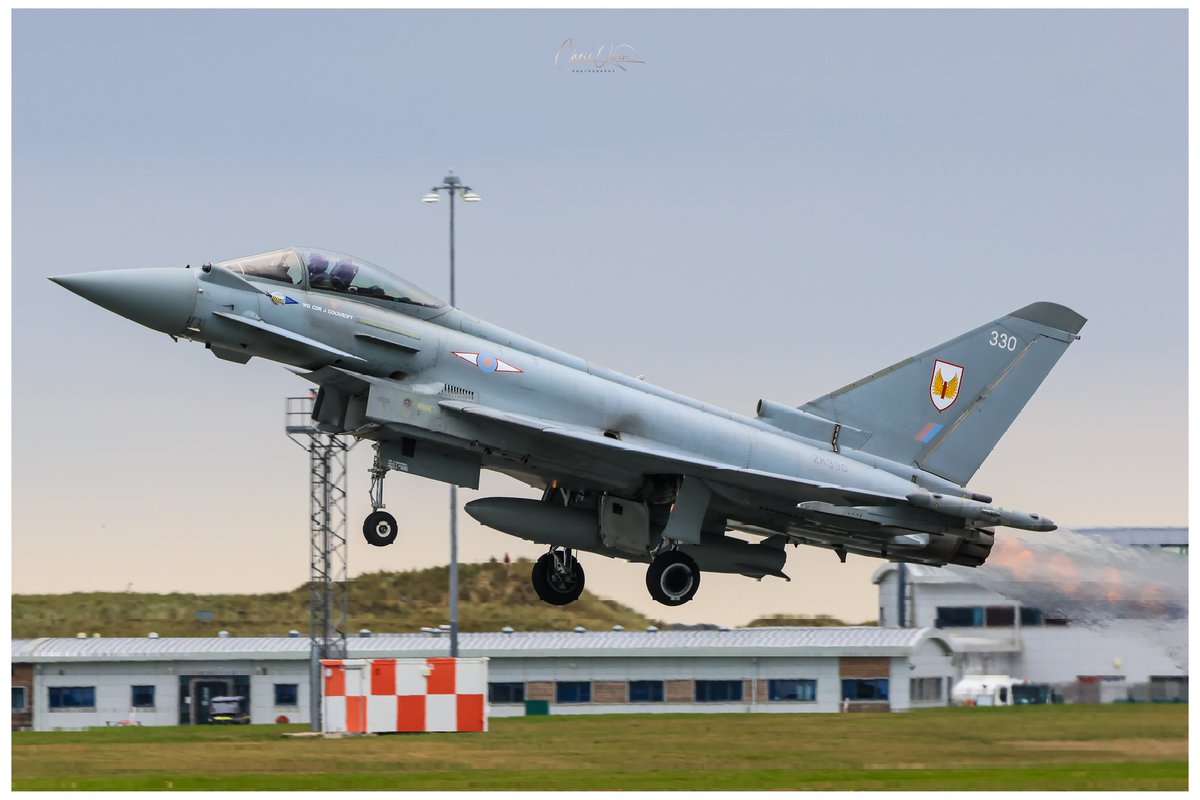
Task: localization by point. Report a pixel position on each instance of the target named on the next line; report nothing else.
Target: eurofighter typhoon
(627, 469)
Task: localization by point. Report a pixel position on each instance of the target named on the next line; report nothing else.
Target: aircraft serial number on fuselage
(821, 461)
(324, 310)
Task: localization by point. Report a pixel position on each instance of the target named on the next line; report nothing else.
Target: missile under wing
(626, 469)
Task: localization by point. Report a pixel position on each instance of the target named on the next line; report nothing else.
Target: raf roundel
(486, 362)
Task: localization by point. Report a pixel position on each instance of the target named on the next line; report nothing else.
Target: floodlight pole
(453, 186)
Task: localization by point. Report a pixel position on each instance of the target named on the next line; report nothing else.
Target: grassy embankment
(491, 595)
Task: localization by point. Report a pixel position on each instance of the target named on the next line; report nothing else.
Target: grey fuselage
(551, 384)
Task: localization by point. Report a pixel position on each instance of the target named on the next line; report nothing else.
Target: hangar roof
(1141, 537)
(765, 642)
(919, 573)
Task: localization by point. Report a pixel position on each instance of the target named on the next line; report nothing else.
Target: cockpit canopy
(325, 270)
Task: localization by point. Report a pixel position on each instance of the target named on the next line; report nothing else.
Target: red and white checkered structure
(385, 695)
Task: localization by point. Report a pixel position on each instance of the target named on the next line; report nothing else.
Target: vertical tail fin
(944, 410)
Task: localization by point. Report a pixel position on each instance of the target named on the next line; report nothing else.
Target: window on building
(803, 690)
(645, 691)
(511, 692)
(1031, 616)
(287, 694)
(959, 616)
(18, 693)
(925, 690)
(718, 691)
(865, 688)
(72, 698)
(573, 692)
(1001, 616)
(142, 696)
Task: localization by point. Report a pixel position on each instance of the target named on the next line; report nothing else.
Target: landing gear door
(338, 410)
(421, 458)
(625, 525)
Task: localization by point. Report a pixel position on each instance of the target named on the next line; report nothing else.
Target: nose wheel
(558, 578)
(673, 578)
(379, 528)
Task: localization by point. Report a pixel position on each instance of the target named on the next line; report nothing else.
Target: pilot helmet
(343, 273)
(317, 264)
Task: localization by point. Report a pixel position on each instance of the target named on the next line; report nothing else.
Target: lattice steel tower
(328, 599)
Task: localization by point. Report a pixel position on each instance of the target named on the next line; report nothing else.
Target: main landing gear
(558, 577)
(673, 578)
(379, 528)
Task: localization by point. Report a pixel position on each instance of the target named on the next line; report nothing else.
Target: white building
(954, 627)
(77, 683)
(995, 635)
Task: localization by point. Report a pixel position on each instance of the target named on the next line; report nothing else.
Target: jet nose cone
(161, 298)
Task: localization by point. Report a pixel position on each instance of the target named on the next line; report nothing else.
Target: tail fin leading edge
(944, 410)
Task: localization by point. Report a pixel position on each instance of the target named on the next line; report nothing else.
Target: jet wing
(649, 457)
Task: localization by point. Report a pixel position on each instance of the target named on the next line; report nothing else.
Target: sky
(768, 205)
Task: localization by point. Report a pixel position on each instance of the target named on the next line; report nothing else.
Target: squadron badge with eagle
(944, 386)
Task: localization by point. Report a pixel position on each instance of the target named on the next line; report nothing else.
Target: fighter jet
(627, 469)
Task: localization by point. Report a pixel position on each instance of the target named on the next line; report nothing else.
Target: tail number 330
(1003, 341)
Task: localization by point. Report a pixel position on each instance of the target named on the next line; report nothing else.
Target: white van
(998, 690)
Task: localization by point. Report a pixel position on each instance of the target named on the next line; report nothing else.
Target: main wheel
(380, 529)
(554, 587)
(673, 578)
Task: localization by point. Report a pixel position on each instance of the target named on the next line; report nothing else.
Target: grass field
(1034, 747)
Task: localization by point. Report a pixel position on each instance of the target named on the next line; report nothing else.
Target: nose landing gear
(379, 528)
(558, 577)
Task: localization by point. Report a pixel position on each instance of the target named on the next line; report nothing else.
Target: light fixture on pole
(453, 187)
